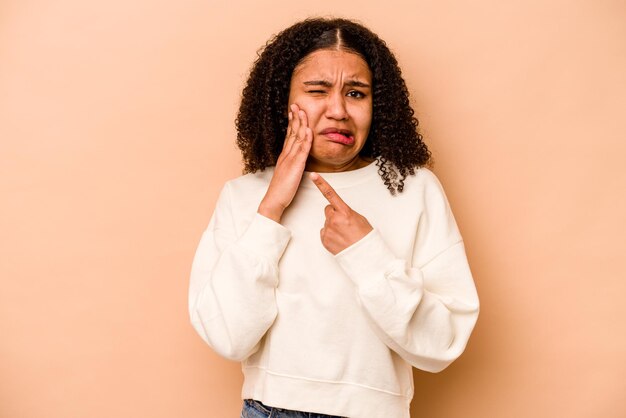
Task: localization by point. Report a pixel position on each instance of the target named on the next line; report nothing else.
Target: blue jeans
(255, 409)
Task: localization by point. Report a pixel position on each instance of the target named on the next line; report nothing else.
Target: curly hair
(393, 140)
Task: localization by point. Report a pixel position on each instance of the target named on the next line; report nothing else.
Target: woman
(335, 264)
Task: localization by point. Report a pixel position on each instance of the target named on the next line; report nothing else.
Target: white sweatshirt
(334, 334)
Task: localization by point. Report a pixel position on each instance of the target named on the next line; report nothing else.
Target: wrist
(272, 212)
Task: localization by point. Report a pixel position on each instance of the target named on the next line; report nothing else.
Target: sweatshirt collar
(344, 178)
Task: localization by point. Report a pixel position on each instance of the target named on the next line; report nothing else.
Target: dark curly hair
(393, 141)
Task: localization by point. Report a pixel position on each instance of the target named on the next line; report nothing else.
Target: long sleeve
(234, 276)
(424, 308)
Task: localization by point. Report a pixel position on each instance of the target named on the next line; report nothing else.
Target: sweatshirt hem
(322, 396)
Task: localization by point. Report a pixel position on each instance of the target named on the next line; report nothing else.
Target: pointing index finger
(329, 193)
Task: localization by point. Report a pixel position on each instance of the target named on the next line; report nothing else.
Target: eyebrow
(325, 83)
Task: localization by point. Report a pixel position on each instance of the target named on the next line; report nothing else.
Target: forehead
(325, 63)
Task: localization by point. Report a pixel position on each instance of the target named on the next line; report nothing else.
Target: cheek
(364, 119)
(312, 110)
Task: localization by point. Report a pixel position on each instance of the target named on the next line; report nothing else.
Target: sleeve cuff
(265, 238)
(367, 260)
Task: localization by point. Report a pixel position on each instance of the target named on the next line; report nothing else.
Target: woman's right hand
(289, 166)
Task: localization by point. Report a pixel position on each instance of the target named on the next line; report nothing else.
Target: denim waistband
(256, 409)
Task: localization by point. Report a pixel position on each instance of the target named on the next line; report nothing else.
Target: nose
(336, 106)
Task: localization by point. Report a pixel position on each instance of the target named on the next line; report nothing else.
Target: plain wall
(117, 133)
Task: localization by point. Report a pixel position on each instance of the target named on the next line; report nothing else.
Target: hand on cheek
(289, 167)
(343, 226)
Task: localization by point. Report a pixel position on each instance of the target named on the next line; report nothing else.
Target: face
(334, 88)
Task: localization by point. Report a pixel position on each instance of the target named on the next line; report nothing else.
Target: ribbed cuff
(367, 260)
(265, 238)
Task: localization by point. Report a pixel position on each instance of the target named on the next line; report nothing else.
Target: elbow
(450, 346)
(231, 353)
(439, 361)
(435, 367)
(217, 337)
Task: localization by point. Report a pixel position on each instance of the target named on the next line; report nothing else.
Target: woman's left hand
(343, 226)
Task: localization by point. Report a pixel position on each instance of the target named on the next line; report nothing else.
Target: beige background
(116, 130)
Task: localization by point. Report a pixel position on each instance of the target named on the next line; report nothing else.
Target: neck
(313, 165)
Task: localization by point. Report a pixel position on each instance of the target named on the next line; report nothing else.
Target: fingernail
(314, 176)
(290, 115)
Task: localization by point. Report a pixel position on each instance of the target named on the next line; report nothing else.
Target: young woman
(335, 264)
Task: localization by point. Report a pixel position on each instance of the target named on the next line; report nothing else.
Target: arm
(233, 279)
(232, 299)
(424, 313)
(424, 308)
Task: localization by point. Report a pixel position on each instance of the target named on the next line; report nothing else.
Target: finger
(300, 126)
(329, 193)
(292, 128)
(308, 141)
(301, 144)
(304, 121)
(307, 133)
(328, 211)
(295, 121)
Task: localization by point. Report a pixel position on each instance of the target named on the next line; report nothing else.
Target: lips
(341, 136)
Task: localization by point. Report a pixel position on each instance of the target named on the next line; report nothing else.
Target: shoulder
(244, 193)
(427, 191)
(250, 183)
(426, 176)
(424, 182)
